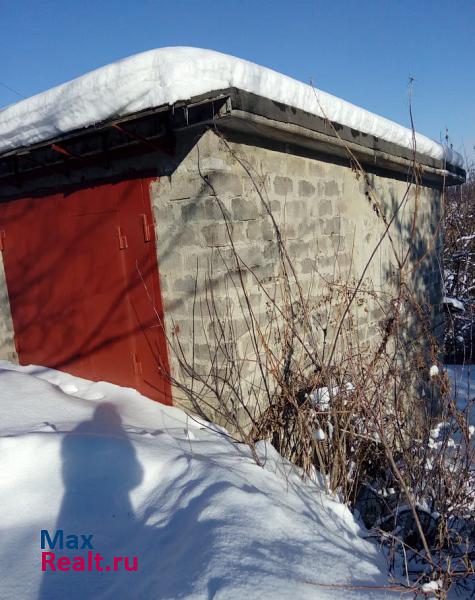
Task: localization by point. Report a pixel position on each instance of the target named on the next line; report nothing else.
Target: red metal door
(83, 284)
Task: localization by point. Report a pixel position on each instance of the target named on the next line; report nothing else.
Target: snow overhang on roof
(244, 96)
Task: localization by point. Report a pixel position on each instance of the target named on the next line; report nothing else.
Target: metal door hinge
(147, 228)
(137, 364)
(122, 239)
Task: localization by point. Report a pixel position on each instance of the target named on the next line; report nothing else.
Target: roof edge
(233, 108)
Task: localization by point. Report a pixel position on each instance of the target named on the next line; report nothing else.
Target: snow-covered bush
(459, 270)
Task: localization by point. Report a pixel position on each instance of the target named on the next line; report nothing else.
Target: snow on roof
(167, 75)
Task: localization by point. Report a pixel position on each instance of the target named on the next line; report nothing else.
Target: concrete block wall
(325, 214)
(7, 345)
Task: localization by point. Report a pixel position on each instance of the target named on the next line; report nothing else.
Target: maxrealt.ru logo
(88, 560)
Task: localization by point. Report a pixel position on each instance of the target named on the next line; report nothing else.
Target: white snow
(167, 75)
(433, 371)
(431, 586)
(462, 379)
(436, 432)
(457, 304)
(149, 481)
(466, 238)
(321, 397)
(319, 435)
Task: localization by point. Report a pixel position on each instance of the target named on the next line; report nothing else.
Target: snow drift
(146, 480)
(167, 75)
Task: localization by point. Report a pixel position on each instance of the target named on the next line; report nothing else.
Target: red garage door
(83, 284)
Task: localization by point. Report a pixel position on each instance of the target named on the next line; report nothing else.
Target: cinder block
(172, 263)
(332, 226)
(338, 242)
(192, 211)
(297, 249)
(325, 208)
(244, 210)
(271, 251)
(218, 234)
(215, 208)
(328, 188)
(212, 163)
(295, 165)
(308, 265)
(251, 254)
(222, 183)
(259, 230)
(306, 189)
(344, 260)
(185, 284)
(179, 186)
(288, 231)
(177, 238)
(223, 259)
(316, 169)
(283, 185)
(306, 227)
(297, 209)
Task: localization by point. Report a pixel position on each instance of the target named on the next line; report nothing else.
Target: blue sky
(363, 51)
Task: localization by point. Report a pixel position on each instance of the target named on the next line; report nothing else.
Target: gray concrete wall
(330, 224)
(7, 346)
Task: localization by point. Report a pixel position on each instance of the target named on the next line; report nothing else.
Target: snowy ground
(462, 378)
(203, 519)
